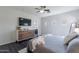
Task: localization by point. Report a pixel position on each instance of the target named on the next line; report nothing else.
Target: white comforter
(73, 46)
(55, 43)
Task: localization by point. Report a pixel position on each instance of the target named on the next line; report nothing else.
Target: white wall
(59, 24)
(8, 23)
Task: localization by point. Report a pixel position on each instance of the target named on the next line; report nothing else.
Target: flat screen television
(24, 21)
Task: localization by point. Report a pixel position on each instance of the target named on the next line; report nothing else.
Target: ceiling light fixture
(42, 9)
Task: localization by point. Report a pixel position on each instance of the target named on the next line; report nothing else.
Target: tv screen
(24, 22)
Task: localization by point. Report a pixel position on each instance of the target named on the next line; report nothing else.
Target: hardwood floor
(13, 47)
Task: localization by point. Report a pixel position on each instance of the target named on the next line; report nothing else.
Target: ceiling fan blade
(37, 8)
(37, 11)
(47, 10)
(43, 6)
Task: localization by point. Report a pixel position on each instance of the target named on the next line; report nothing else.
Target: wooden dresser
(25, 35)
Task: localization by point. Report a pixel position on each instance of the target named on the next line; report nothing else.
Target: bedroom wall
(59, 24)
(8, 23)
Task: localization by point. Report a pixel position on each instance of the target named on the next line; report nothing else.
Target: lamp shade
(77, 30)
(73, 25)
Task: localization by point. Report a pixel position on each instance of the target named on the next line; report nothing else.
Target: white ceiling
(54, 9)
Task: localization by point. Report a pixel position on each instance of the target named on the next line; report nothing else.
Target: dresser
(25, 35)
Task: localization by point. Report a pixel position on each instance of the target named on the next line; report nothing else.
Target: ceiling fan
(42, 9)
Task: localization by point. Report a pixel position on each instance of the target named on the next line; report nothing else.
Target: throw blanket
(36, 41)
(31, 45)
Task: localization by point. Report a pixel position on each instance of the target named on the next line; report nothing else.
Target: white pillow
(69, 37)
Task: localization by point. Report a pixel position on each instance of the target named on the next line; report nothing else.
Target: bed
(56, 44)
(73, 46)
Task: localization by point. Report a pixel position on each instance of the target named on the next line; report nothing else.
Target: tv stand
(25, 35)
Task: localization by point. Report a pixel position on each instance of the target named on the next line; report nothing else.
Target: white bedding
(55, 43)
(73, 46)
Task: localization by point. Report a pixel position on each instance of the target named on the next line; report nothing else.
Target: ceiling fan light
(41, 11)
